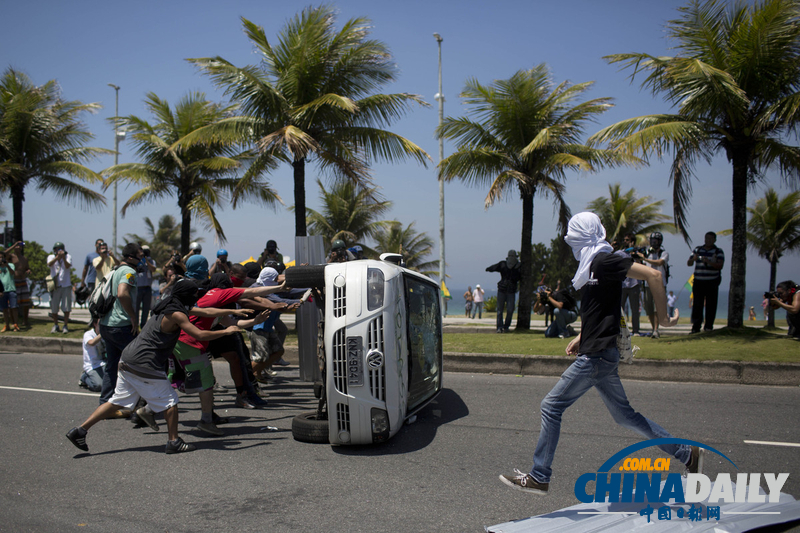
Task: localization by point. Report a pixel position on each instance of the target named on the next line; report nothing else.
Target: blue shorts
(8, 300)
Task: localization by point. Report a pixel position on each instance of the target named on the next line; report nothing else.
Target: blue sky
(142, 46)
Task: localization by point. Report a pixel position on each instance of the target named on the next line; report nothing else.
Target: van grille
(377, 376)
(339, 359)
(339, 301)
(343, 417)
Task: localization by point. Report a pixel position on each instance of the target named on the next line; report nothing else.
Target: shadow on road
(445, 408)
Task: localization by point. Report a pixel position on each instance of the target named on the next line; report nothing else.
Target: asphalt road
(438, 474)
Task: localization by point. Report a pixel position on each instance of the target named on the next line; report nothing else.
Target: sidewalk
(728, 372)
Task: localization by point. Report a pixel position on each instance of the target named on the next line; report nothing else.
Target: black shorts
(228, 343)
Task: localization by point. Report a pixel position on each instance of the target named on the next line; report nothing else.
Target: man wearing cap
(271, 252)
(510, 273)
(477, 302)
(144, 286)
(60, 263)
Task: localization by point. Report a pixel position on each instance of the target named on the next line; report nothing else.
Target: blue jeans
(116, 339)
(93, 379)
(477, 307)
(143, 299)
(561, 319)
(507, 301)
(599, 371)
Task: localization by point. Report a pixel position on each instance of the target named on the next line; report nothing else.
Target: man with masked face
(142, 367)
(510, 271)
(599, 278)
(191, 352)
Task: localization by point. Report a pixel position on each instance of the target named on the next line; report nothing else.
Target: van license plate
(355, 362)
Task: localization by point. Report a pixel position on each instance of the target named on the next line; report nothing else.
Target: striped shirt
(703, 272)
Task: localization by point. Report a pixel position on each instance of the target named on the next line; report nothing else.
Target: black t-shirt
(564, 297)
(509, 276)
(600, 303)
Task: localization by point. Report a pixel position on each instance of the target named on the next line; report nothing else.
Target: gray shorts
(263, 344)
(61, 297)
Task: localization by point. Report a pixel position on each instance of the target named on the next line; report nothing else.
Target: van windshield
(424, 341)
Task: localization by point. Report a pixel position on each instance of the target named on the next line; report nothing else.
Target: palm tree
(735, 84)
(774, 230)
(525, 136)
(349, 213)
(312, 99)
(202, 176)
(41, 140)
(162, 240)
(414, 247)
(626, 213)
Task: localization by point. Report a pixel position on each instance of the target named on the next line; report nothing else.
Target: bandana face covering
(586, 237)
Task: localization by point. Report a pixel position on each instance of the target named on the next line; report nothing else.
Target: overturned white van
(379, 346)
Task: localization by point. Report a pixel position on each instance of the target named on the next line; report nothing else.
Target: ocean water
(455, 306)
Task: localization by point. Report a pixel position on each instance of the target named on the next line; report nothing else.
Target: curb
(681, 371)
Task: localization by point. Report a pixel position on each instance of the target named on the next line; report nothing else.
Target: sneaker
(77, 436)
(138, 423)
(178, 446)
(271, 373)
(210, 427)
(55, 329)
(65, 330)
(283, 362)
(220, 388)
(82, 385)
(695, 464)
(655, 334)
(524, 482)
(499, 330)
(219, 420)
(148, 417)
(244, 403)
(256, 400)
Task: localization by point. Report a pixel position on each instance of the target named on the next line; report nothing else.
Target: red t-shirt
(219, 298)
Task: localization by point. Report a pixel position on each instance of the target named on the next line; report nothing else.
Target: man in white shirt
(92, 376)
(60, 263)
(477, 302)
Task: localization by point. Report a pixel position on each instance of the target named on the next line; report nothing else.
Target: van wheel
(304, 277)
(306, 428)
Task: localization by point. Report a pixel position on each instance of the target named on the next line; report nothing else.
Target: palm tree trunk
(17, 198)
(526, 258)
(186, 221)
(736, 294)
(300, 197)
(773, 275)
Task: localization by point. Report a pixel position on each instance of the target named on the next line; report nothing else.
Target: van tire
(306, 277)
(306, 428)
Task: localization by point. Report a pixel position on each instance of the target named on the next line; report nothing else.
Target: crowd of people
(139, 358)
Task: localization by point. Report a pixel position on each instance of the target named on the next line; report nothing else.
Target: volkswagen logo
(374, 359)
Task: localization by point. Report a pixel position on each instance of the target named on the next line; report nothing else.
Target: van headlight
(375, 283)
(380, 425)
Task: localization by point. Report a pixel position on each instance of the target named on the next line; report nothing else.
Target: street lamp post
(116, 161)
(440, 97)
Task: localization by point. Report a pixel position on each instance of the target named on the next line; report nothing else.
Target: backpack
(101, 301)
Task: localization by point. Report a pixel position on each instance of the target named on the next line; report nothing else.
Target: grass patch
(40, 327)
(748, 344)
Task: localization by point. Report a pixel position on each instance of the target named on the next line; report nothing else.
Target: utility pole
(440, 97)
(116, 161)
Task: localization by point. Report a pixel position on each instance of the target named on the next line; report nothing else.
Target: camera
(541, 294)
(636, 250)
(769, 295)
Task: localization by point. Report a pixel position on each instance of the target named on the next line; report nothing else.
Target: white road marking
(95, 394)
(770, 443)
